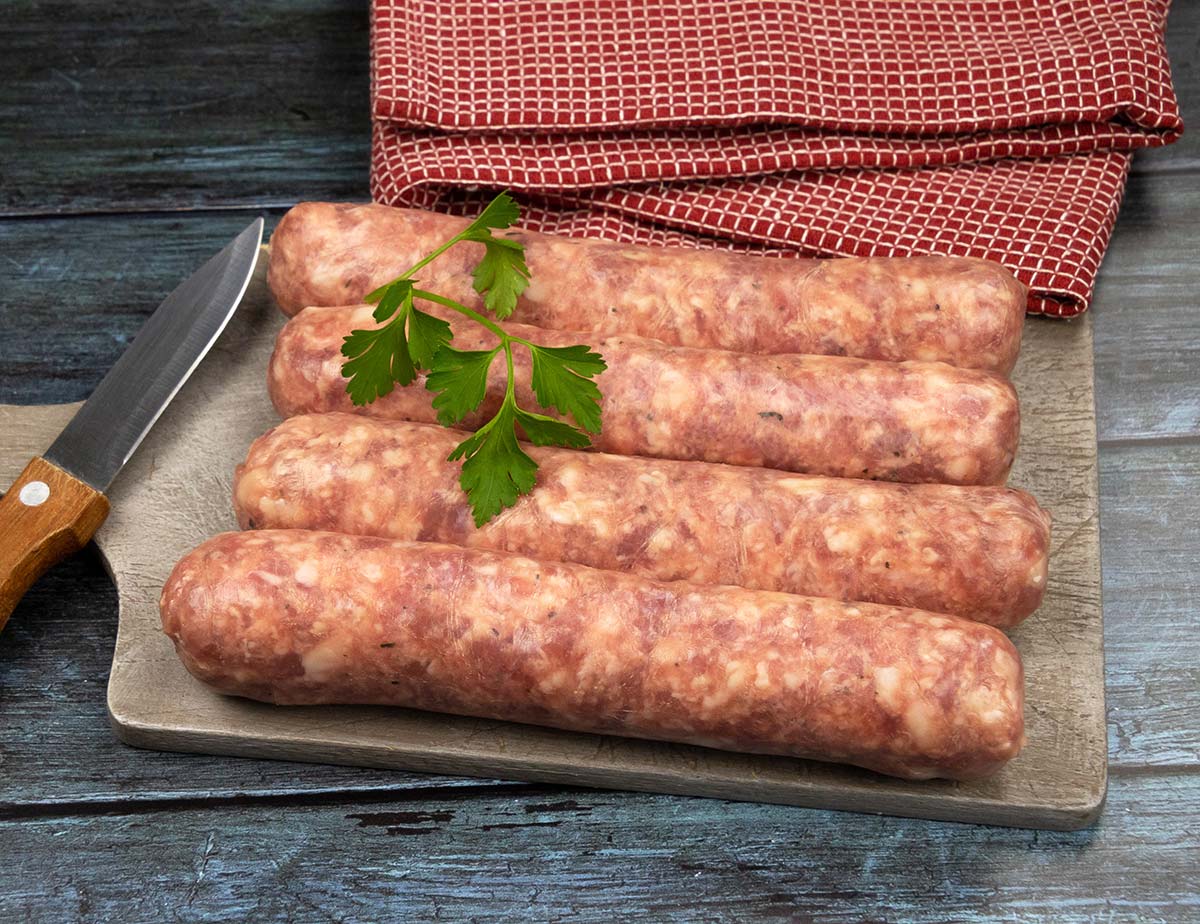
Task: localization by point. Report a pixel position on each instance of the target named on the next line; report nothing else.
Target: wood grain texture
(1183, 48)
(1151, 543)
(587, 856)
(1147, 331)
(45, 515)
(123, 107)
(77, 290)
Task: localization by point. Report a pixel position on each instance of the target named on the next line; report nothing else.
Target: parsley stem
(429, 258)
(506, 341)
(464, 310)
(464, 235)
(420, 264)
(509, 388)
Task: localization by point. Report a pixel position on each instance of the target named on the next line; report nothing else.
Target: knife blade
(57, 503)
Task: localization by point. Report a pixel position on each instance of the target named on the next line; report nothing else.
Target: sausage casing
(976, 552)
(827, 415)
(295, 617)
(962, 311)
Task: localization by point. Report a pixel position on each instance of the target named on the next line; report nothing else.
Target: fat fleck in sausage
(295, 617)
(962, 311)
(828, 415)
(980, 552)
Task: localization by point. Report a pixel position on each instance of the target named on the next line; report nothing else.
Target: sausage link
(296, 617)
(962, 311)
(979, 553)
(827, 415)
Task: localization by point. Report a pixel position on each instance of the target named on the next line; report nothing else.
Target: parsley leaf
(546, 431)
(495, 470)
(562, 379)
(458, 379)
(378, 359)
(501, 275)
(392, 297)
(502, 212)
(426, 335)
(383, 357)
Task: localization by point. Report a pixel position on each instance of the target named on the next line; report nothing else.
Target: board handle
(45, 516)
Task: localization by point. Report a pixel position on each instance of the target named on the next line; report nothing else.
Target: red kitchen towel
(991, 128)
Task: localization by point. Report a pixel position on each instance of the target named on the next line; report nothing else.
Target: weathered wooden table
(121, 127)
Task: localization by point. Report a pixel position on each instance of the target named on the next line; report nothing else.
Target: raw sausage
(980, 553)
(828, 415)
(962, 311)
(296, 617)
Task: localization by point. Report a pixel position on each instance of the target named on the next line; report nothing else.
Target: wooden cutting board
(175, 492)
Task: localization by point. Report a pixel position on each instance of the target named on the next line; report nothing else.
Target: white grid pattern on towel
(996, 128)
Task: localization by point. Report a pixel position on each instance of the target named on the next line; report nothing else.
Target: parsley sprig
(495, 470)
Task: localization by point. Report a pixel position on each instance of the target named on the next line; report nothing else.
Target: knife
(57, 503)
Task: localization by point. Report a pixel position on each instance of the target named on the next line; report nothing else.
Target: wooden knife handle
(45, 516)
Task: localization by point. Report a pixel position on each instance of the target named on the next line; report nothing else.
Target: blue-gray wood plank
(135, 140)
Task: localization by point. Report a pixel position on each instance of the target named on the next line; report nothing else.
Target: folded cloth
(989, 128)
